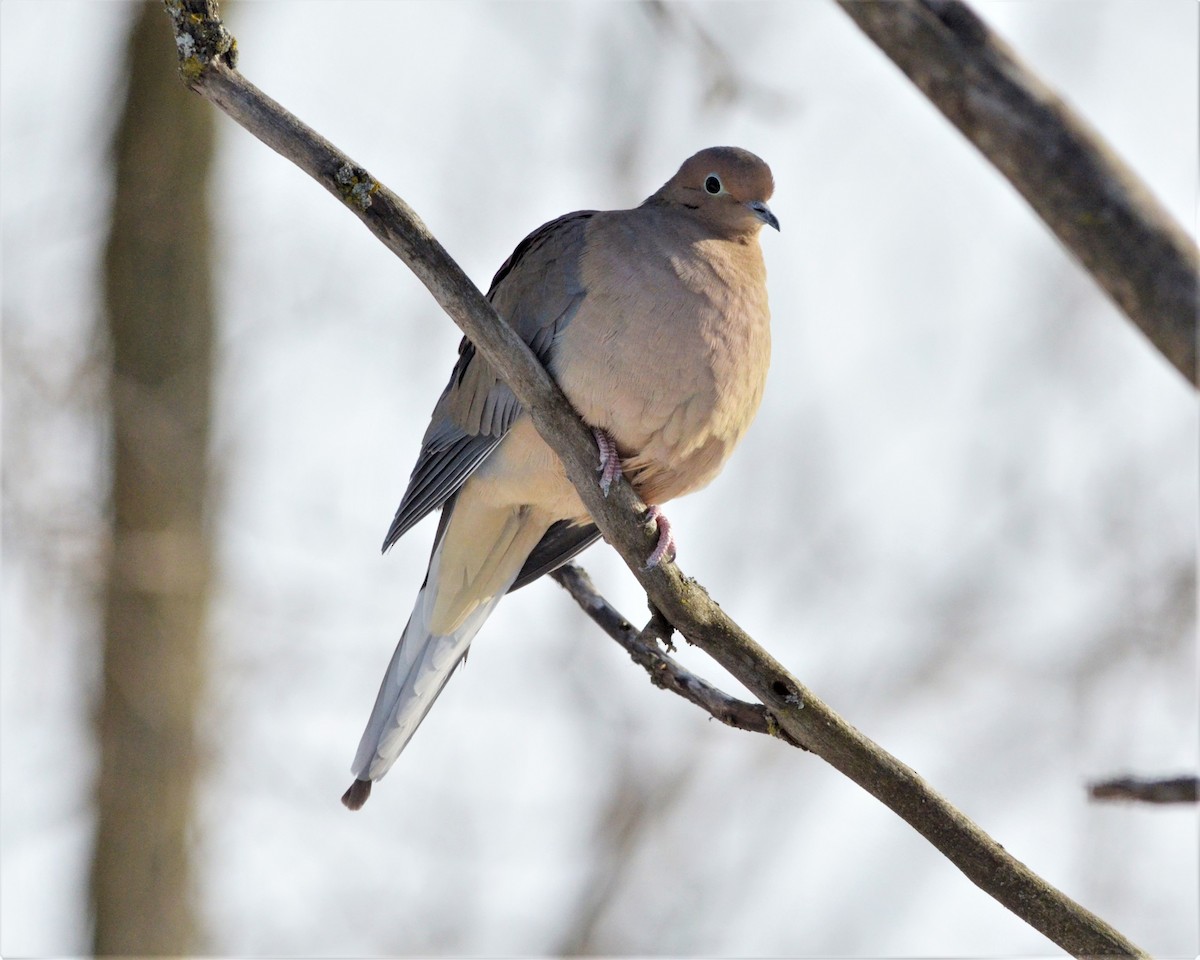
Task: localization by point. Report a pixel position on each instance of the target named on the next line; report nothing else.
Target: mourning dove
(654, 322)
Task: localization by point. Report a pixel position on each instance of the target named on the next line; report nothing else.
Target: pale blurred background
(966, 515)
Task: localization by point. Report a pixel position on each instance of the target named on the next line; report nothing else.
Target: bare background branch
(1147, 790)
(1096, 205)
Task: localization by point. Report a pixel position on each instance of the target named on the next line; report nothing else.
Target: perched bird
(654, 322)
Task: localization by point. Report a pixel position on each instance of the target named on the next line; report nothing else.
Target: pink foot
(610, 460)
(666, 541)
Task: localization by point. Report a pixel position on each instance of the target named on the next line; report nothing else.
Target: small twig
(663, 670)
(1170, 790)
(657, 628)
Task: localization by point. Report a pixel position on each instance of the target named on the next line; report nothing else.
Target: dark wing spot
(466, 353)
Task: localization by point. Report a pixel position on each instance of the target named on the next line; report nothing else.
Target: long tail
(478, 558)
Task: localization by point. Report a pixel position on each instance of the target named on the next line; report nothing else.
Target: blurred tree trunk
(160, 327)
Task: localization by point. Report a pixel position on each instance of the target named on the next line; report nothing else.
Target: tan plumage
(654, 321)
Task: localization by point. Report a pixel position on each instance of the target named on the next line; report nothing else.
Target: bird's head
(725, 187)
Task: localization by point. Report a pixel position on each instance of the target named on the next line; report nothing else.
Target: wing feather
(537, 290)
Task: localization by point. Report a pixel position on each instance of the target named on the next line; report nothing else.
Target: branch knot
(356, 185)
(200, 37)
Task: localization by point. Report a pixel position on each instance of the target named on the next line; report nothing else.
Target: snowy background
(966, 515)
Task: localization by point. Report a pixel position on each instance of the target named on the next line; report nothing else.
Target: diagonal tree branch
(801, 715)
(1095, 204)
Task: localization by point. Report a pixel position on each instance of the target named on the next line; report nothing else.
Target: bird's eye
(713, 184)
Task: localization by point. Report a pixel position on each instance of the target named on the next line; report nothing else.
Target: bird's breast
(668, 353)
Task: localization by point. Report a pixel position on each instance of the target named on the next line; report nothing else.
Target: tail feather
(471, 569)
(418, 672)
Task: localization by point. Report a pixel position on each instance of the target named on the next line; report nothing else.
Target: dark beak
(763, 212)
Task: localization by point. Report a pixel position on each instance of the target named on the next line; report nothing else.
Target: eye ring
(712, 184)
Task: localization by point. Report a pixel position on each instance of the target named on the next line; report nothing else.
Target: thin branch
(685, 604)
(1171, 790)
(1095, 204)
(663, 670)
